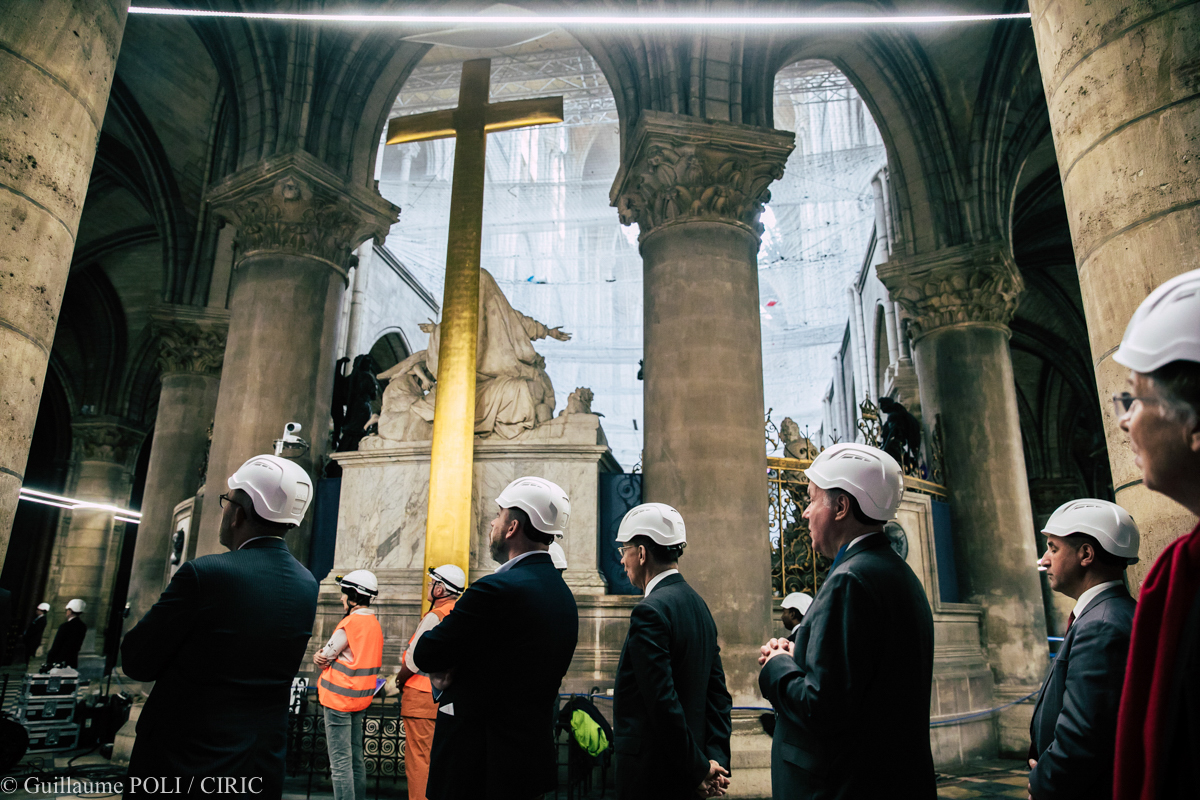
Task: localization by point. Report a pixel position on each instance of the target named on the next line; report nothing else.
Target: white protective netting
(557, 250)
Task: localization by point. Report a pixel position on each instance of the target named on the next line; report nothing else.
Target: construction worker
(502, 654)
(418, 709)
(671, 709)
(795, 606)
(1074, 726)
(224, 643)
(1158, 737)
(64, 651)
(558, 557)
(854, 688)
(351, 661)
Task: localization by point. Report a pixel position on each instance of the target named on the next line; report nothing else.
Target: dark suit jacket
(223, 644)
(1074, 725)
(509, 640)
(671, 709)
(33, 635)
(852, 707)
(67, 641)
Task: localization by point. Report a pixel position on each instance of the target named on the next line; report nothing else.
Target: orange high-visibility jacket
(421, 682)
(350, 686)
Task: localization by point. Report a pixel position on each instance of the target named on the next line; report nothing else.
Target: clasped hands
(715, 783)
(775, 647)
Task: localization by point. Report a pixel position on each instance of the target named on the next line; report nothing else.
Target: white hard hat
(361, 581)
(663, 524)
(76, 605)
(280, 489)
(43, 606)
(872, 476)
(451, 576)
(545, 502)
(1111, 525)
(800, 601)
(558, 555)
(1166, 326)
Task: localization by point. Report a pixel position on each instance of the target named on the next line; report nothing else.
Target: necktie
(1070, 620)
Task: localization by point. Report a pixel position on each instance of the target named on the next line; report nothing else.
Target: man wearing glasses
(1158, 725)
(223, 644)
(671, 710)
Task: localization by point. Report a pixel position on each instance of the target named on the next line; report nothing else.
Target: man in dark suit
(851, 696)
(795, 606)
(223, 644)
(671, 709)
(1089, 543)
(68, 639)
(500, 656)
(36, 630)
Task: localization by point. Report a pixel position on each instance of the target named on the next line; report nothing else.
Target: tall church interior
(756, 237)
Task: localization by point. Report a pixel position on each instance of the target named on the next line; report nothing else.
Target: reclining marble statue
(513, 393)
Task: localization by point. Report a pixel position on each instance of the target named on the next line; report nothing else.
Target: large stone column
(56, 65)
(958, 302)
(696, 187)
(1123, 89)
(297, 222)
(192, 348)
(87, 556)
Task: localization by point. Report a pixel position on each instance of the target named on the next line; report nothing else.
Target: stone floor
(984, 779)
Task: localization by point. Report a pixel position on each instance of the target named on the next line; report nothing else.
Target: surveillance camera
(291, 427)
(290, 439)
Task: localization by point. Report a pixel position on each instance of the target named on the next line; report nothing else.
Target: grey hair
(1179, 385)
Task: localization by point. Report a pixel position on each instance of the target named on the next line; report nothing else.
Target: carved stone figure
(795, 445)
(361, 394)
(513, 393)
(901, 433)
(579, 402)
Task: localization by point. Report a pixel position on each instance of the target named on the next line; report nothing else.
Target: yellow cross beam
(448, 525)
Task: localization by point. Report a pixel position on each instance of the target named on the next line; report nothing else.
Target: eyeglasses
(621, 548)
(1123, 401)
(226, 500)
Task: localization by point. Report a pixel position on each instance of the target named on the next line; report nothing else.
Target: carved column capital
(680, 169)
(296, 205)
(970, 284)
(189, 347)
(106, 441)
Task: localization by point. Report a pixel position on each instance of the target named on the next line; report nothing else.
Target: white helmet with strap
(76, 605)
(558, 556)
(872, 476)
(1165, 328)
(544, 501)
(451, 576)
(361, 581)
(798, 601)
(659, 521)
(280, 489)
(1110, 525)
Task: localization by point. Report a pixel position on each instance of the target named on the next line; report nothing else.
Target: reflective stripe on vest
(350, 686)
(421, 682)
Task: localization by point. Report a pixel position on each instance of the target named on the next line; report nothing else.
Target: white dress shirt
(1087, 597)
(507, 565)
(658, 579)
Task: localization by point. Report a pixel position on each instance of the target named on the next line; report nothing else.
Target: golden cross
(448, 524)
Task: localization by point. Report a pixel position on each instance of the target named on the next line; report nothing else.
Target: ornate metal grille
(795, 565)
(383, 743)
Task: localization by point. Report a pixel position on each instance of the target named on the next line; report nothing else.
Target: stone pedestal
(385, 495)
(190, 359)
(1121, 88)
(56, 66)
(87, 556)
(958, 303)
(297, 223)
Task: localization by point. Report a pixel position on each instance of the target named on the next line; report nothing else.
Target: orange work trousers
(418, 736)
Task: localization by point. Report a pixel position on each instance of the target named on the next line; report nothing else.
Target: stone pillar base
(750, 758)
